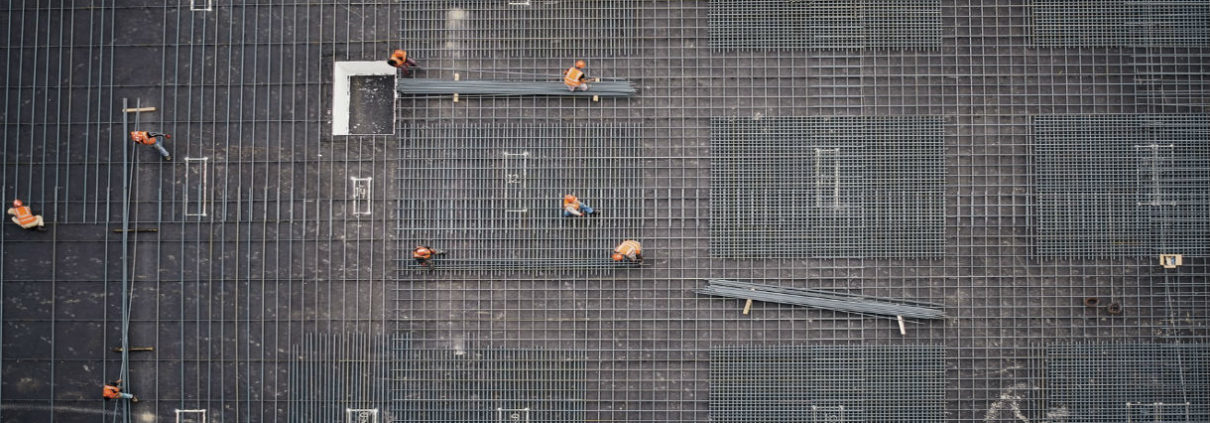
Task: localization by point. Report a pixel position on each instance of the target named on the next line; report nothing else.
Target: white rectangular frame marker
(202, 198)
(516, 169)
(512, 415)
(361, 195)
(827, 177)
(341, 74)
(206, 5)
(201, 412)
(361, 415)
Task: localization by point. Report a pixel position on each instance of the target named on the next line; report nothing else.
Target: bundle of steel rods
(850, 303)
(460, 264)
(409, 86)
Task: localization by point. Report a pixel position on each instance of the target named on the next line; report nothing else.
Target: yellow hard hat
(580, 64)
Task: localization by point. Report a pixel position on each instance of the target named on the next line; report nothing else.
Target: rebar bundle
(511, 88)
(455, 264)
(849, 303)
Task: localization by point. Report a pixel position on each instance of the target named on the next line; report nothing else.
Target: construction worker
(114, 391)
(423, 254)
(630, 250)
(573, 207)
(401, 60)
(26, 219)
(575, 78)
(149, 138)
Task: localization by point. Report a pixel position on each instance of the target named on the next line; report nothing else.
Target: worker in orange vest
(148, 138)
(26, 219)
(630, 250)
(114, 391)
(423, 254)
(401, 60)
(573, 207)
(575, 78)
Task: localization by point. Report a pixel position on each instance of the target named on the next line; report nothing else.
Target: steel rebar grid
(644, 332)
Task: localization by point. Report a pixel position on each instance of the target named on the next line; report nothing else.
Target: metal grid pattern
(491, 196)
(463, 29)
(1123, 184)
(331, 373)
(1170, 81)
(1130, 382)
(1083, 23)
(283, 252)
(817, 186)
(487, 385)
(827, 384)
(779, 24)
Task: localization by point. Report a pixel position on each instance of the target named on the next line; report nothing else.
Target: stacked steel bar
(849, 303)
(410, 86)
(451, 264)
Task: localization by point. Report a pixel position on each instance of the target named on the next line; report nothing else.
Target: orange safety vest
(24, 216)
(142, 137)
(422, 253)
(400, 57)
(628, 248)
(573, 77)
(112, 392)
(574, 205)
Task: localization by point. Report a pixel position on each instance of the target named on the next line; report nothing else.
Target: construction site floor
(972, 157)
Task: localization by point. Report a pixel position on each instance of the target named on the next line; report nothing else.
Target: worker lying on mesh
(575, 78)
(114, 391)
(24, 218)
(630, 250)
(424, 255)
(149, 138)
(573, 207)
(401, 60)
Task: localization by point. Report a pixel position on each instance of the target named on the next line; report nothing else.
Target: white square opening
(342, 73)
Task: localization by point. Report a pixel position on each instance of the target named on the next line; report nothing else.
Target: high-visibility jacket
(111, 392)
(24, 216)
(629, 248)
(573, 77)
(142, 137)
(573, 205)
(399, 58)
(422, 253)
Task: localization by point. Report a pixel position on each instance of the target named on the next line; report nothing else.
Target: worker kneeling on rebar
(573, 207)
(400, 59)
(114, 391)
(575, 78)
(24, 218)
(424, 255)
(629, 250)
(149, 138)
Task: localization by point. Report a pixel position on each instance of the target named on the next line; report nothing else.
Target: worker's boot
(40, 228)
(134, 399)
